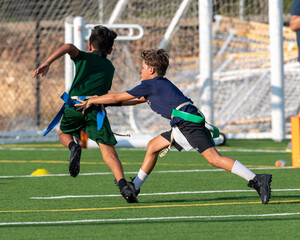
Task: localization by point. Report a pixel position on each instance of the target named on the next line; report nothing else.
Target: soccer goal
(245, 82)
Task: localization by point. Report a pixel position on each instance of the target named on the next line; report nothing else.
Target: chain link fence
(31, 30)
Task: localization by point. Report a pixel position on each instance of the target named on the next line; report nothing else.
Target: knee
(108, 152)
(150, 146)
(214, 160)
(61, 135)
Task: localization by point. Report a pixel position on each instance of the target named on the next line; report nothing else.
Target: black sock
(71, 144)
(122, 183)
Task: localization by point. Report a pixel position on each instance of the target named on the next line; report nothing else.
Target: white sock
(140, 179)
(242, 171)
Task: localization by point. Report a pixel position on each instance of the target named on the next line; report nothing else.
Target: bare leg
(226, 163)
(64, 138)
(111, 158)
(153, 148)
(217, 160)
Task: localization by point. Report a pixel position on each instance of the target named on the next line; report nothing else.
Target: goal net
(31, 30)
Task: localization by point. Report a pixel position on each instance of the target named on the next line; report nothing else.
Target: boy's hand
(83, 105)
(42, 70)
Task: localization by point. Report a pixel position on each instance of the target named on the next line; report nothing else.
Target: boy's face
(147, 72)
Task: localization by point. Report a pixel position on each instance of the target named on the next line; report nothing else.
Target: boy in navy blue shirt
(188, 124)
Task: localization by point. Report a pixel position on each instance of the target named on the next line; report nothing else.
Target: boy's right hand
(41, 70)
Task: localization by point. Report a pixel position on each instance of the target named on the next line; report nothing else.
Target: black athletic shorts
(197, 135)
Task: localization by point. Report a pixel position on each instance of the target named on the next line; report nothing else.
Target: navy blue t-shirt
(295, 10)
(162, 96)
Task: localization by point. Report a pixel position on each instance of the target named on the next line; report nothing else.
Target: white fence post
(69, 69)
(277, 75)
(206, 58)
(79, 28)
(73, 34)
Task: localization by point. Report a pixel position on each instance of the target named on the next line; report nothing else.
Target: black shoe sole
(256, 184)
(74, 164)
(267, 199)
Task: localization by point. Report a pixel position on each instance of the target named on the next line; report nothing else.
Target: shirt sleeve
(141, 90)
(79, 57)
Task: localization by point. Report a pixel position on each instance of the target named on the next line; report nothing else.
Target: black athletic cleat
(262, 184)
(131, 185)
(74, 164)
(128, 194)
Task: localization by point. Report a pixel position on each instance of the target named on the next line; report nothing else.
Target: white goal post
(277, 74)
(276, 69)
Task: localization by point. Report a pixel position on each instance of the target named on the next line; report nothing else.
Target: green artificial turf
(202, 201)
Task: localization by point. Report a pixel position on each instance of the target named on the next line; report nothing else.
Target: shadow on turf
(225, 199)
(201, 200)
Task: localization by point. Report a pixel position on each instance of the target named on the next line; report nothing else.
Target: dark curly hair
(159, 59)
(102, 38)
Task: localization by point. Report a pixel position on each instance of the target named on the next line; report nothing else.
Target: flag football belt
(187, 116)
(70, 103)
(191, 118)
(81, 98)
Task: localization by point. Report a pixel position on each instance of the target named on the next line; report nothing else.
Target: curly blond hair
(159, 59)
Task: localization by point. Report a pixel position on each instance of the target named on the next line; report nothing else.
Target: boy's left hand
(83, 105)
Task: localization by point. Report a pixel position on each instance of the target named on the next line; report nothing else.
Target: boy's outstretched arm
(134, 101)
(66, 48)
(109, 98)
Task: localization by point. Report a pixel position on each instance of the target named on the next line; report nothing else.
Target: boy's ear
(151, 70)
(90, 47)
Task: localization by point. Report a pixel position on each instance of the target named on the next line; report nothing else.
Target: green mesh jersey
(93, 76)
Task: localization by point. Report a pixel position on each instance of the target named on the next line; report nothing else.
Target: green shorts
(74, 121)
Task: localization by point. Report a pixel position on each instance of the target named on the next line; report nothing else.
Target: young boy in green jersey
(94, 74)
(187, 123)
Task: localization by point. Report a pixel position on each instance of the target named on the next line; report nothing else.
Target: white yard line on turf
(33, 149)
(151, 219)
(156, 194)
(167, 171)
